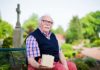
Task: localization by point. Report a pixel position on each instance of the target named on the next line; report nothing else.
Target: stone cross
(18, 33)
(18, 16)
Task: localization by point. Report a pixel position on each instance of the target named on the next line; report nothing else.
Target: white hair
(41, 18)
(44, 16)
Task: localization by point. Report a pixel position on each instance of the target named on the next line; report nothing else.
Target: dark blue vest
(47, 46)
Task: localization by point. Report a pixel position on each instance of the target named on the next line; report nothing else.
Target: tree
(91, 25)
(58, 30)
(74, 31)
(31, 24)
(5, 29)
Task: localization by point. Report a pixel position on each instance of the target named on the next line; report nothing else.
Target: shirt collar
(47, 35)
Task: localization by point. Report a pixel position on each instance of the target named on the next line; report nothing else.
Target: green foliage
(66, 46)
(78, 60)
(4, 58)
(5, 67)
(90, 62)
(96, 43)
(74, 32)
(82, 66)
(88, 45)
(4, 61)
(14, 59)
(58, 30)
(76, 42)
(5, 29)
(30, 24)
(87, 27)
(91, 25)
(7, 43)
(67, 50)
(85, 63)
(68, 54)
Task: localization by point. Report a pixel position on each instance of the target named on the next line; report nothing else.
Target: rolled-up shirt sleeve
(32, 47)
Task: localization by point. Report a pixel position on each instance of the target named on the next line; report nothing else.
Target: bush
(67, 50)
(66, 47)
(78, 60)
(96, 43)
(90, 62)
(81, 66)
(87, 45)
(4, 58)
(7, 43)
(5, 67)
(68, 54)
(85, 62)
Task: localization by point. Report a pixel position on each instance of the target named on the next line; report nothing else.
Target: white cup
(47, 60)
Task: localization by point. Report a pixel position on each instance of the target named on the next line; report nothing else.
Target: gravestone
(18, 34)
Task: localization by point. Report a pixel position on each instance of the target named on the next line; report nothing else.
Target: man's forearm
(63, 60)
(33, 62)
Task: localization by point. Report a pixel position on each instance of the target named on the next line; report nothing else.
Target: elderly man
(43, 41)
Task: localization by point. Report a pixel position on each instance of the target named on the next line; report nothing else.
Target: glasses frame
(46, 21)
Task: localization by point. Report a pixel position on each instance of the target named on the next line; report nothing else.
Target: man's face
(46, 23)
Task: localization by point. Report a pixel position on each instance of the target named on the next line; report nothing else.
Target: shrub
(81, 66)
(85, 62)
(66, 46)
(7, 43)
(4, 58)
(76, 42)
(78, 60)
(5, 67)
(90, 62)
(68, 54)
(87, 45)
(67, 50)
(96, 43)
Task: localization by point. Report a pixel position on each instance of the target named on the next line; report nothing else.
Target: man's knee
(71, 65)
(30, 68)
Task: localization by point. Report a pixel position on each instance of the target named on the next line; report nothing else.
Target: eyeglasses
(46, 21)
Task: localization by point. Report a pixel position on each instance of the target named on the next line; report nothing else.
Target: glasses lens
(46, 21)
